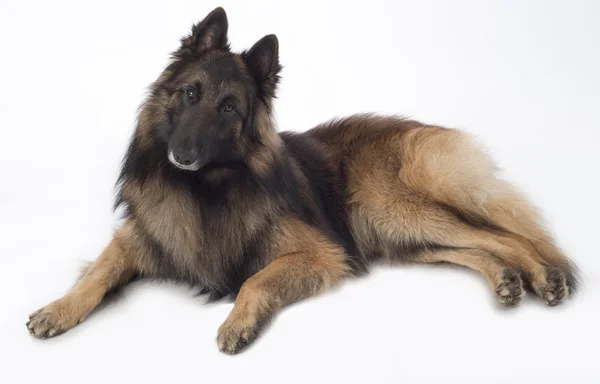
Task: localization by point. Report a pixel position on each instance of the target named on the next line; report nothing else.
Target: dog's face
(210, 96)
(213, 101)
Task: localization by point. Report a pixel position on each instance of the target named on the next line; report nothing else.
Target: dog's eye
(190, 93)
(228, 108)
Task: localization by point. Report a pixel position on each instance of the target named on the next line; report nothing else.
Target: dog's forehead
(222, 68)
(214, 70)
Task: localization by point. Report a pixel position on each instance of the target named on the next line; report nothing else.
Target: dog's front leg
(112, 268)
(308, 263)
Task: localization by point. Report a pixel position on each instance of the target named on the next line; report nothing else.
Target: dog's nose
(185, 157)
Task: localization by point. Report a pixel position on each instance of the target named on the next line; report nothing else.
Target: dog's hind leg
(449, 167)
(399, 219)
(505, 282)
(509, 211)
(516, 253)
(112, 268)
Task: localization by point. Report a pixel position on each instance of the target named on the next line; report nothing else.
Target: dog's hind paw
(509, 288)
(554, 289)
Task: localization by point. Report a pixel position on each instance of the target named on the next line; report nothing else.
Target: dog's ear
(263, 62)
(209, 34)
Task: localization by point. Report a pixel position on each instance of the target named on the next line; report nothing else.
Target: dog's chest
(201, 243)
(172, 219)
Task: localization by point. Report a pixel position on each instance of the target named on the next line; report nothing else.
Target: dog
(212, 195)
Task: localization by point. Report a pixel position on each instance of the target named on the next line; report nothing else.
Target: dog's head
(212, 107)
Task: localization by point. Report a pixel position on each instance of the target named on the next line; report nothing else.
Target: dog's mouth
(187, 167)
(231, 163)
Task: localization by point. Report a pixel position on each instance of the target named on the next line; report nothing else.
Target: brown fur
(307, 263)
(113, 266)
(408, 185)
(290, 215)
(504, 281)
(414, 184)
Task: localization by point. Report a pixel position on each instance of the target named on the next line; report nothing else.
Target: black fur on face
(212, 103)
(203, 107)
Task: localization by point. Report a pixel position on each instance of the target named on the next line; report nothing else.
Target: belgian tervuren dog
(215, 197)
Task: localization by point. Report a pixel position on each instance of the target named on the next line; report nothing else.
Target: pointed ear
(263, 62)
(209, 34)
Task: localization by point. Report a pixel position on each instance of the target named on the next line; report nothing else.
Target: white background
(523, 76)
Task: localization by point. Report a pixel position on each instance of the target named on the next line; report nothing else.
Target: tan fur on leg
(309, 264)
(429, 185)
(112, 267)
(504, 281)
(451, 168)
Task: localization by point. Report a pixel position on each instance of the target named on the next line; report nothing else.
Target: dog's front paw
(237, 332)
(53, 319)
